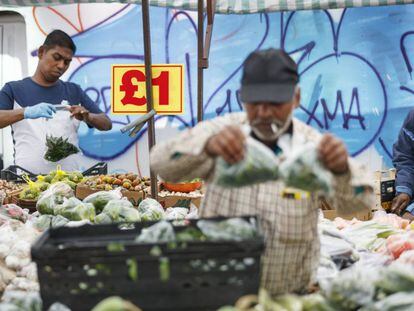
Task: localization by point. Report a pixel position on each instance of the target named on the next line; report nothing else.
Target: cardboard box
(179, 201)
(174, 200)
(361, 215)
(135, 197)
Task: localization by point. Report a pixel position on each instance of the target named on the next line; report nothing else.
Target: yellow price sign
(128, 90)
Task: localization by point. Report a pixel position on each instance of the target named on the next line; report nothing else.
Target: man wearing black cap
(270, 93)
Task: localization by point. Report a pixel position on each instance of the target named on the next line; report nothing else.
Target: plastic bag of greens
(57, 306)
(347, 292)
(148, 203)
(161, 232)
(176, 213)
(75, 210)
(59, 221)
(115, 303)
(303, 170)
(315, 302)
(192, 213)
(101, 198)
(151, 210)
(400, 301)
(53, 197)
(260, 164)
(118, 211)
(234, 229)
(25, 301)
(43, 222)
(103, 219)
(396, 278)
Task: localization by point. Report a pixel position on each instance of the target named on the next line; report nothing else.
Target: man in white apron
(32, 107)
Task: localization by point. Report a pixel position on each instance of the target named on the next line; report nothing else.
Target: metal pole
(200, 63)
(148, 83)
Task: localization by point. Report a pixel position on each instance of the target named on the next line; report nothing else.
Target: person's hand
(79, 113)
(42, 110)
(408, 216)
(228, 144)
(332, 152)
(399, 203)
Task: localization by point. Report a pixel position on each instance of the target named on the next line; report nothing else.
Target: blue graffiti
(355, 68)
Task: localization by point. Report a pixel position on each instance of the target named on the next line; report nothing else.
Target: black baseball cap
(268, 76)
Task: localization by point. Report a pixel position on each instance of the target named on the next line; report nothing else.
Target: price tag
(128, 89)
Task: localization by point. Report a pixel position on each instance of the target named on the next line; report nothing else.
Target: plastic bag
(148, 203)
(103, 219)
(151, 210)
(101, 198)
(397, 244)
(347, 292)
(260, 164)
(369, 235)
(303, 170)
(115, 303)
(80, 211)
(234, 229)
(407, 258)
(399, 301)
(12, 211)
(118, 211)
(176, 213)
(193, 213)
(25, 301)
(53, 197)
(396, 278)
(57, 306)
(161, 232)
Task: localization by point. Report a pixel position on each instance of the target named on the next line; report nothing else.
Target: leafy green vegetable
(118, 211)
(190, 234)
(75, 210)
(115, 247)
(58, 148)
(164, 269)
(101, 198)
(259, 165)
(132, 269)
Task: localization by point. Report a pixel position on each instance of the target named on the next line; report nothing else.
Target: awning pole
(200, 62)
(148, 83)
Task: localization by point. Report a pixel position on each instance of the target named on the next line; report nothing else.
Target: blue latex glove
(42, 110)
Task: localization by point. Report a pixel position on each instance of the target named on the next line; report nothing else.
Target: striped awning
(228, 6)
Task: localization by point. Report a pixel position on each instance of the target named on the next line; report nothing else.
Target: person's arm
(403, 160)
(352, 188)
(9, 117)
(89, 112)
(97, 120)
(185, 157)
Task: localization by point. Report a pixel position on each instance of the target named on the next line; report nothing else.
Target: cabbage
(118, 211)
(161, 232)
(82, 211)
(101, 198)
(234, 229)
(151, 210)
(52, 197)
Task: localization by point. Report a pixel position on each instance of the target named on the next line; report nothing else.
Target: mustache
(266, 122)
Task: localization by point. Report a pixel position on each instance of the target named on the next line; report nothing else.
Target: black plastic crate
(15, 172)
(76, 267)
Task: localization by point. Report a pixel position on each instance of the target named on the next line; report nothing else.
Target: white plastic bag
(260, 164)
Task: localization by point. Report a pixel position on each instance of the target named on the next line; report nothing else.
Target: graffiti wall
(355, 69)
